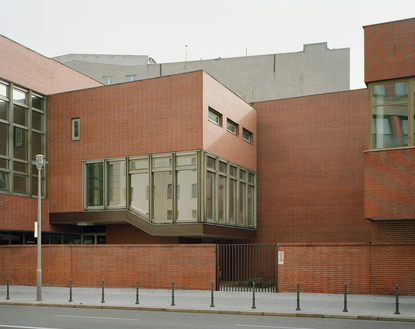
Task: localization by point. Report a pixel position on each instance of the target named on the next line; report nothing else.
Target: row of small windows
(22, 137)
(216, 117)
(109, 80)
(186, 187)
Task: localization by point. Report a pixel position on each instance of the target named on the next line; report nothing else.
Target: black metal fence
(238, 265)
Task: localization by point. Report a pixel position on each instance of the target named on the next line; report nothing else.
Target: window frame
(410, 107)
(247, 132)
(234, 124)
(76, 121)
(216, 114)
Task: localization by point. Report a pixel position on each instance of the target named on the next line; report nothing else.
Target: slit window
(247, 136)
(75, 129)
(232, 127)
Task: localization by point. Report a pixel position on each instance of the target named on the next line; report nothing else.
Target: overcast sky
(210, 29)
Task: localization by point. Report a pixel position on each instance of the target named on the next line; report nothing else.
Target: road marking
(272, 327)
(94, 317)
(23, 327)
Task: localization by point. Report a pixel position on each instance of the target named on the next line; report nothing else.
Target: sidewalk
(371, 307)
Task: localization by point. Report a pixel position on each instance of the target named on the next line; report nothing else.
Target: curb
(185, 310)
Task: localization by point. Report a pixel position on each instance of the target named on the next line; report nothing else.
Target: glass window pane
(20, 143)
(19, 96)
(20, 184)
(18, 166)
(187, 203)
(139, 193)
(242, 202)
(232, 201)
(95, 184)
(222, 198)
(390, 126)
(20, 115)
(214, 117)
(4, 181)
(250, 206)
(4, 110)
(3, 89)
(116, 184)
(37, 120)
(233, 171)
(210, 196)
(162, 205)
(211, 163)
(3, 163)
(3, 139)
(390, 93)
(242, 174)
(251, 179)
(38, 142)
(222, 167)
(161, 162)
(186, 160)
(37, 102)
(139, 164)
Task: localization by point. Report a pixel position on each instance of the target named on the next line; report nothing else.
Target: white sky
(211, 28)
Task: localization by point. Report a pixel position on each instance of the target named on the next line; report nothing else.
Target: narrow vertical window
(75, 129)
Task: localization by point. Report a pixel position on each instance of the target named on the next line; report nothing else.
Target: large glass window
(180, 191)
(116, 184)
(95, 184)
(22, 135)
(391, 106)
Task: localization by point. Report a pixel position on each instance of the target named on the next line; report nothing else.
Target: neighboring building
(181, 159)
(314, 70)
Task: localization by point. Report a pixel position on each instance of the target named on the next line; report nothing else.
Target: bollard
(298, 297)
(8, 297)
(397, 300)
(345, 298)
(253, 295)
(211, 296)
(172, 293)
(103, 300)
(136, 295)
(70, 290)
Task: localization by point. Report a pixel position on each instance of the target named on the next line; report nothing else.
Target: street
(32, 317)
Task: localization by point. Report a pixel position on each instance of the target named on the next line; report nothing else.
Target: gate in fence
(238, 265)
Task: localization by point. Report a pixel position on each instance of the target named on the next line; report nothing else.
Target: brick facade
(155, 266)
(390, 183)
(310, 160)
(390, 50)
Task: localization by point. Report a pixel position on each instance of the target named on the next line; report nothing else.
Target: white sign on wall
(280, 257)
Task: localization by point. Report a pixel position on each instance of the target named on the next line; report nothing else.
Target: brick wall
(390, 50)
(366, 268)
(324, 268)
(310, 160)
(390, 183)
(217, 139)
(129, 234)
(29, 69)
(20, 213)
(155, 266)
(141, 117)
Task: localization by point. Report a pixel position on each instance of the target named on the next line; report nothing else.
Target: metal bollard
(397, 300)
(103, 300)
(136, 295)
(8, 297)
(70, 290)
(298, 297)
(172, 294)
(345, 298)
(211, 296)
(253, 295)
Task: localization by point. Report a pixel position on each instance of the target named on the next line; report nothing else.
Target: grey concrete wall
(314, 70)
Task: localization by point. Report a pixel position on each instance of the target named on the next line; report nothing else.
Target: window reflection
(162, 205)
(187, 181)
(139, 193)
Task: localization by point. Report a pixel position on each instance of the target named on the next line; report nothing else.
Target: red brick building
(328, 177)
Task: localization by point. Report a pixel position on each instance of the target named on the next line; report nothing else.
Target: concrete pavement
(371, 307)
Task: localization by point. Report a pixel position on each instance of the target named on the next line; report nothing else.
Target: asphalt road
(29, 317)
